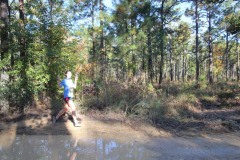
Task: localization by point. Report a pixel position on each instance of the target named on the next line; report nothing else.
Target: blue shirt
(68, 87)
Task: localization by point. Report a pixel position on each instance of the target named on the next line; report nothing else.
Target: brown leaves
(85, 68)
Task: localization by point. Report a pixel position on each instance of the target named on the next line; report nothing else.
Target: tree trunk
(132, 51)
(102, 52)
(197, 39)
(238, 71)
(233, 70)
(143, 66)
(171, 60)
(22, 50)
(175, 70)
(226, 57)
(4, 13)
(161, 44)
(22, 26)
(179, 69)
(183, 67)
(94, 56)
(210, 51)
(150, 65)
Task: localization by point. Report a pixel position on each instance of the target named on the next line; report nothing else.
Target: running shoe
(77, 124)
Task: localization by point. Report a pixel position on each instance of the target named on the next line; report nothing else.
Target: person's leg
(72, 106)
(73, 156)
(61, 112)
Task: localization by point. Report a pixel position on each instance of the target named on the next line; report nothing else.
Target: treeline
(134, 41)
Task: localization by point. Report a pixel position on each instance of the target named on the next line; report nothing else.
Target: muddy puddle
(96, 140)
(62, 147)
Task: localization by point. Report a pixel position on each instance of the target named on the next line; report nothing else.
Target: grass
(173, 100)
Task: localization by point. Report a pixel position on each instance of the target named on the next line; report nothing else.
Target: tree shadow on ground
(216, 110)
(208, 121)
(38, 120)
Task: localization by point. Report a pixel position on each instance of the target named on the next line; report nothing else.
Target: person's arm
(75, 82)
(61, 83)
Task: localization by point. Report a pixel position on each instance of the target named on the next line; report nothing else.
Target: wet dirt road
(97, 140)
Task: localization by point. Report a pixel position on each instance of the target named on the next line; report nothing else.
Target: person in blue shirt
(69, 87)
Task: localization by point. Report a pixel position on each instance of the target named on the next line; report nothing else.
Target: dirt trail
(40, 123)
(90, 127)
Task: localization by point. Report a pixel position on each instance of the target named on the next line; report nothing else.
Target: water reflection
(64, 147)
(60, 147)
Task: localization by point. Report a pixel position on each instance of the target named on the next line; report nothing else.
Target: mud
(38, 138)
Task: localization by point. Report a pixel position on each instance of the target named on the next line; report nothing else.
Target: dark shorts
(67, 99)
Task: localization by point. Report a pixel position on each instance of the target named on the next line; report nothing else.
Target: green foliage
(203, 78)
(4, 105)
(150, 87)
(47, 53)
(132, 42)
(234, 23)
(37, 79)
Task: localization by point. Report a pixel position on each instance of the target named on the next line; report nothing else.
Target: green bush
(4, 105)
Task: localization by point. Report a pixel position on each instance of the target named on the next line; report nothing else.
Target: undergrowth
(171, 100)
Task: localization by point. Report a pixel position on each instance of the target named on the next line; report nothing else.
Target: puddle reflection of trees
(63, 147)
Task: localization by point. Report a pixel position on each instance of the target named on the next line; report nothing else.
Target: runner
(69, 86)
